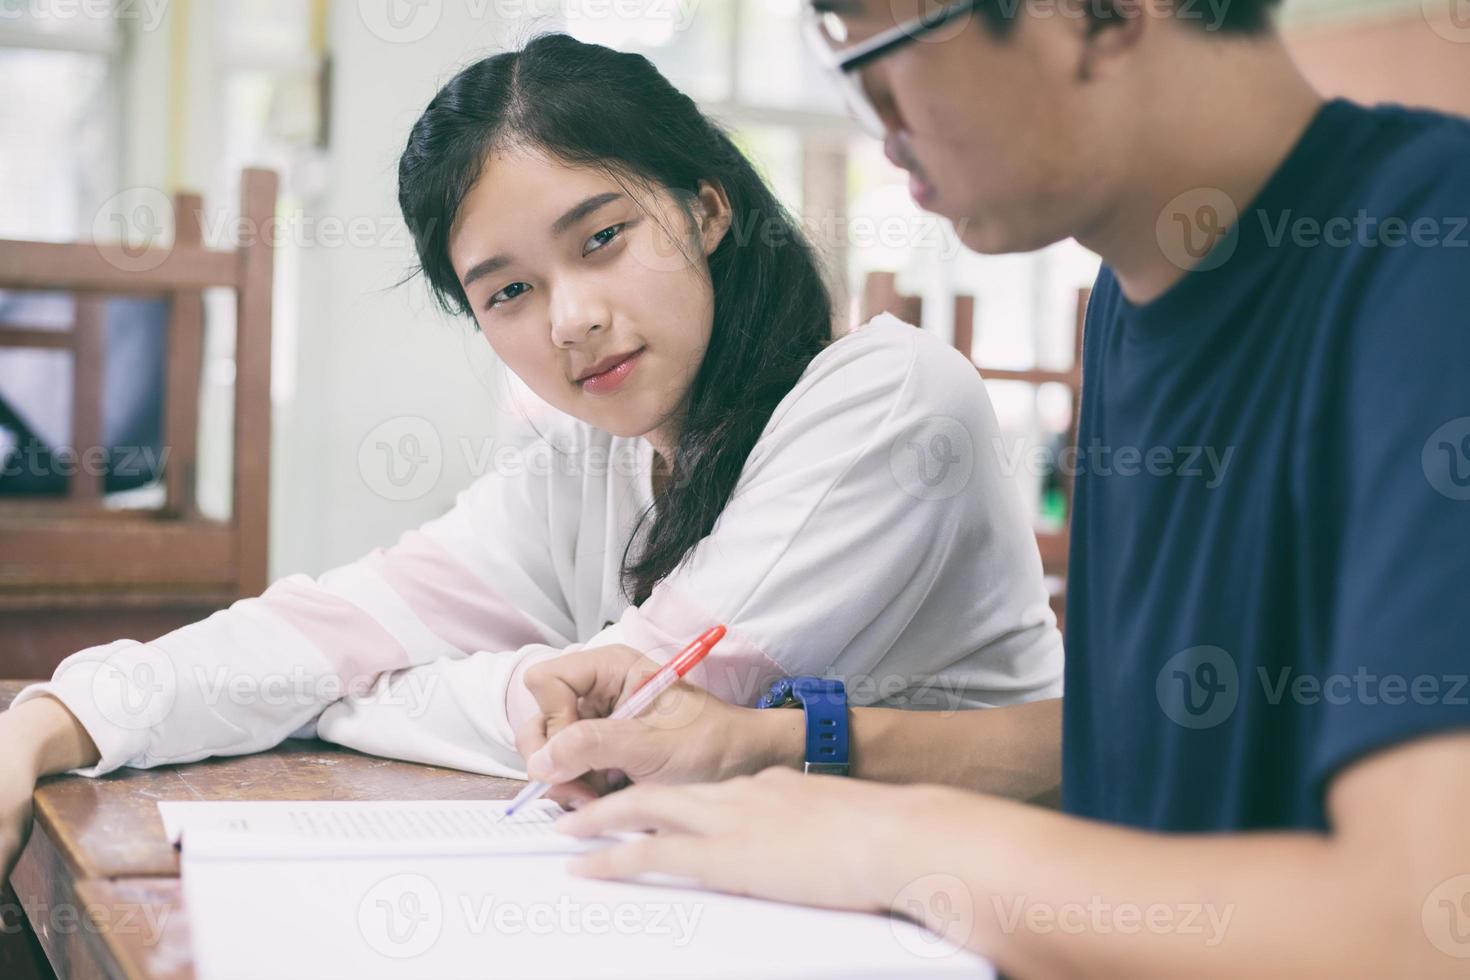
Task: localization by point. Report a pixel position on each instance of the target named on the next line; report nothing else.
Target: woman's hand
(18, 775)
(40, 737)
(688, 735)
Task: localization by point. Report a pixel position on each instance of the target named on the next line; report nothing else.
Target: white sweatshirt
(872, 536)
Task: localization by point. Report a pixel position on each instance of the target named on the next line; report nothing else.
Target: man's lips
(606, 364)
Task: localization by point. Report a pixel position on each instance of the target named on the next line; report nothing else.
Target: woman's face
(596, 296)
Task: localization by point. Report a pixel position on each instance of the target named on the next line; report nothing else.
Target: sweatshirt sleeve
(873, 536)
(481, 577)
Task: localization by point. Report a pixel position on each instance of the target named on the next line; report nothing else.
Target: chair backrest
(78, 552)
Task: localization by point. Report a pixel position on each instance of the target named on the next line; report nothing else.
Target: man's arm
(1385, 893)
(692, 736)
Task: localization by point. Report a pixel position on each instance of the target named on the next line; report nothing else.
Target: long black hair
(592, 106)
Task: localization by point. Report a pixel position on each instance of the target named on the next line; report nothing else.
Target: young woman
(715, 457)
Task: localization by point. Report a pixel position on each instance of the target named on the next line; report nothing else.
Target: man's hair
(1225, 17)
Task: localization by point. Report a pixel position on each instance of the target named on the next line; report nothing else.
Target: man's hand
(689, 735)
(813, 840)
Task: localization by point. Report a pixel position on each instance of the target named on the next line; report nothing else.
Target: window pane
(776, 70)
(688, 41)
(277, 28)
(52, 190)
(92, 20)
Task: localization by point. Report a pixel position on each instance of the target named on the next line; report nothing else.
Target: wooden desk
(99, 882)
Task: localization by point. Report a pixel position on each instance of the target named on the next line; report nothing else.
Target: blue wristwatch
(825, 703)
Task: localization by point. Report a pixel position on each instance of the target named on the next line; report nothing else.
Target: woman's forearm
(50, 735)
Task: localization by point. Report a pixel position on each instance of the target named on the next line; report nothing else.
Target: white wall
(370, 356)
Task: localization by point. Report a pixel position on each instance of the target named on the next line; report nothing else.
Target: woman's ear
(711, 214)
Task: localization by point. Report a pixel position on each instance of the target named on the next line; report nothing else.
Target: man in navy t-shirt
(1270, 573)
(1264, 743)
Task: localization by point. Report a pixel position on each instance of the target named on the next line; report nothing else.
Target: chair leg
(21, 956)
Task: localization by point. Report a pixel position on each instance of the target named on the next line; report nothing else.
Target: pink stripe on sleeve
(737, 670)
(352, 641)
(449, 599)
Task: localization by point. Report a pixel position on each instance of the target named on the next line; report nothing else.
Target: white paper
(330, 828)
(263, 903)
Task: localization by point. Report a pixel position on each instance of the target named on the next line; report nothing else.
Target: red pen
(643, 696)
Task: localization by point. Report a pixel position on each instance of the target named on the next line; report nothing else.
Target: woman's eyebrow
(573, 215)
(579, 211)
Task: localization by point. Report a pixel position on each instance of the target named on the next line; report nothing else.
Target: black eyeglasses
(827, 34)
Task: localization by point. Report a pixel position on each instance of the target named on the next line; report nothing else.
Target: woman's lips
(612, 379)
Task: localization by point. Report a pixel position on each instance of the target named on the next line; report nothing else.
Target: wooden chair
(74, 572)
(880, 294)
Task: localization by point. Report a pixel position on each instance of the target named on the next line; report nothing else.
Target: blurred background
(111, 107)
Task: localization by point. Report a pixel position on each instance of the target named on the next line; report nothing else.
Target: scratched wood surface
(98, 846)
(108, 827)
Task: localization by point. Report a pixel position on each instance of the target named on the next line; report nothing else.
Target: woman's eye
(602, 238)
(508, 293)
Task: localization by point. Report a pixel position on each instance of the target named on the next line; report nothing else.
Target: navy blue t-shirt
(1270, 563)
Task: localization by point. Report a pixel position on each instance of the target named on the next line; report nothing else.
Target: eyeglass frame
(886, 42)
(847, 63)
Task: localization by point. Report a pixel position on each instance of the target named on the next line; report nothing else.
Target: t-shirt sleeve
(1400, 615)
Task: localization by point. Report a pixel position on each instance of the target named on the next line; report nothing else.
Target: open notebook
(442, 890)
